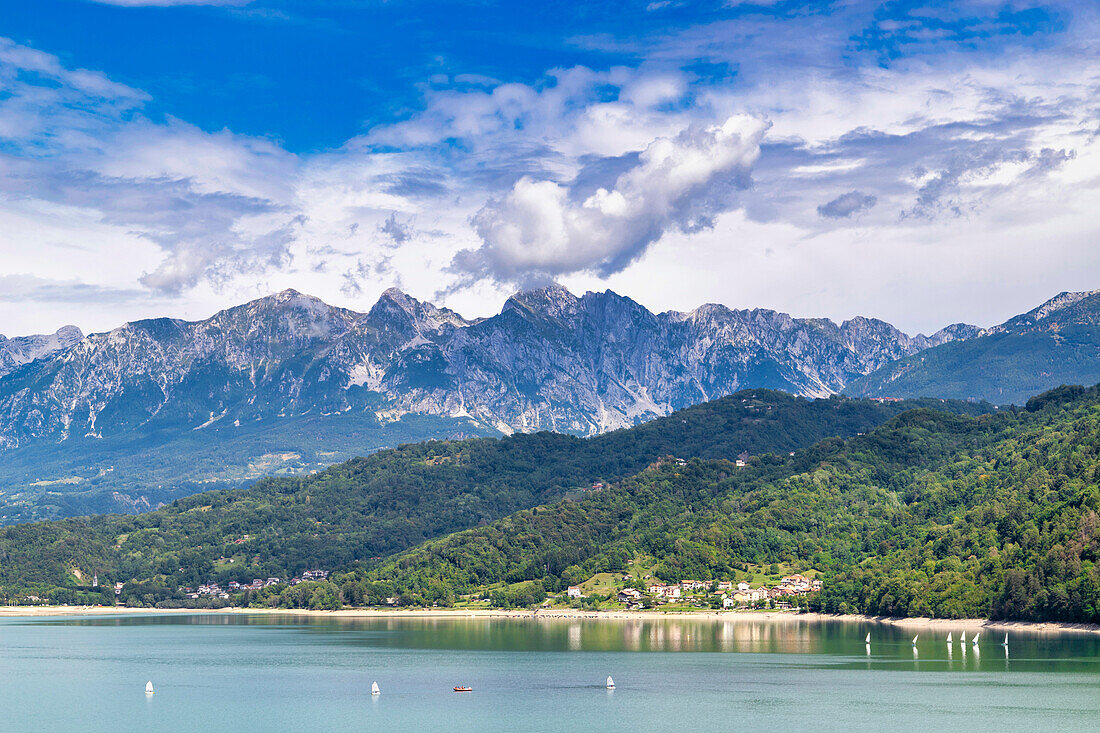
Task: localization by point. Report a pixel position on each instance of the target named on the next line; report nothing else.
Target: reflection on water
(267, 672)
(842, 642)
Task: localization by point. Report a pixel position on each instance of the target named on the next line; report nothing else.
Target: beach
(570, 614)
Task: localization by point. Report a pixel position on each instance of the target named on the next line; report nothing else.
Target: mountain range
(155, 409)
(548, 361)
(1054, 344)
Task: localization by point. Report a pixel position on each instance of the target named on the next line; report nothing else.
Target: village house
(664, 591)
(574, 591)
(629, 595)
(725, 585)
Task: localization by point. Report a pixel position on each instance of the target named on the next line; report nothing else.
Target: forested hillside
(372, 507)
(930, 514)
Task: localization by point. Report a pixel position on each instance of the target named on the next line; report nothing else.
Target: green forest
(943, 509)
(931, 514)
(361, 511)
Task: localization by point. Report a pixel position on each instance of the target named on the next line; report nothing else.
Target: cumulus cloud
(564, 175)
(681, 183)
(846, 204)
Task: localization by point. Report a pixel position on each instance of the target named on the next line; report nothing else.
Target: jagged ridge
(549, 360)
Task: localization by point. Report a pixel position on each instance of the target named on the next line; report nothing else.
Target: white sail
(610, 683)
(962, 638)
(868, 639)
(948, 637)
(915, 640)
(149, 687)
(974, 641)
(374, 688)
(1005, 642)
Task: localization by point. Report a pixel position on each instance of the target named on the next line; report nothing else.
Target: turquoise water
(246, 673)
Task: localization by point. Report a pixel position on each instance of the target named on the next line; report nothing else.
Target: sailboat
(915, 640)
(610, 683)
(974, 641)
(1005, 642)
(374, 689)
(868, 639)
(962, 638)
(149, 687)
(948, 637)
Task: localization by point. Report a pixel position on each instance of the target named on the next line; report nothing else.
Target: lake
(264, 673)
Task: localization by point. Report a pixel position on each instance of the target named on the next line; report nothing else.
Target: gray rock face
(549, 360)
(16, 352)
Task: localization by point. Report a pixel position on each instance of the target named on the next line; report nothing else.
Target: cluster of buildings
(214, 590)
(743, 595)
(791, 585)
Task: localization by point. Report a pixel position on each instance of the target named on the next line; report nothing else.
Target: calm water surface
(253, 673)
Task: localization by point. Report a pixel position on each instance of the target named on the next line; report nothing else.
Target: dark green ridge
(931, 514)
(372, 507)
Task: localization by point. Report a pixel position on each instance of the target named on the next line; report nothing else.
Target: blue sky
(920, 161)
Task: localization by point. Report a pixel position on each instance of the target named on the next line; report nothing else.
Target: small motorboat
(463, 689)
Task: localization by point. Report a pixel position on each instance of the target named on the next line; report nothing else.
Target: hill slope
(930, 514)
(1056, 343)
(385, 503)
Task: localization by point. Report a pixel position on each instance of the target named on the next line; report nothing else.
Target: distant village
(719, 591)
(213, 590)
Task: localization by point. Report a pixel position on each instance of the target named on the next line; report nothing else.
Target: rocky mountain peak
(553, 300)
(15, 352)
(423, 317)
(1062, 302)
(1063, 309)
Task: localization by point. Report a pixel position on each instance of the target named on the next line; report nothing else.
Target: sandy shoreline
(567, 614)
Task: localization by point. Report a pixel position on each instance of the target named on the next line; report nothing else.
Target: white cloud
(591, 176)
(538, 229)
